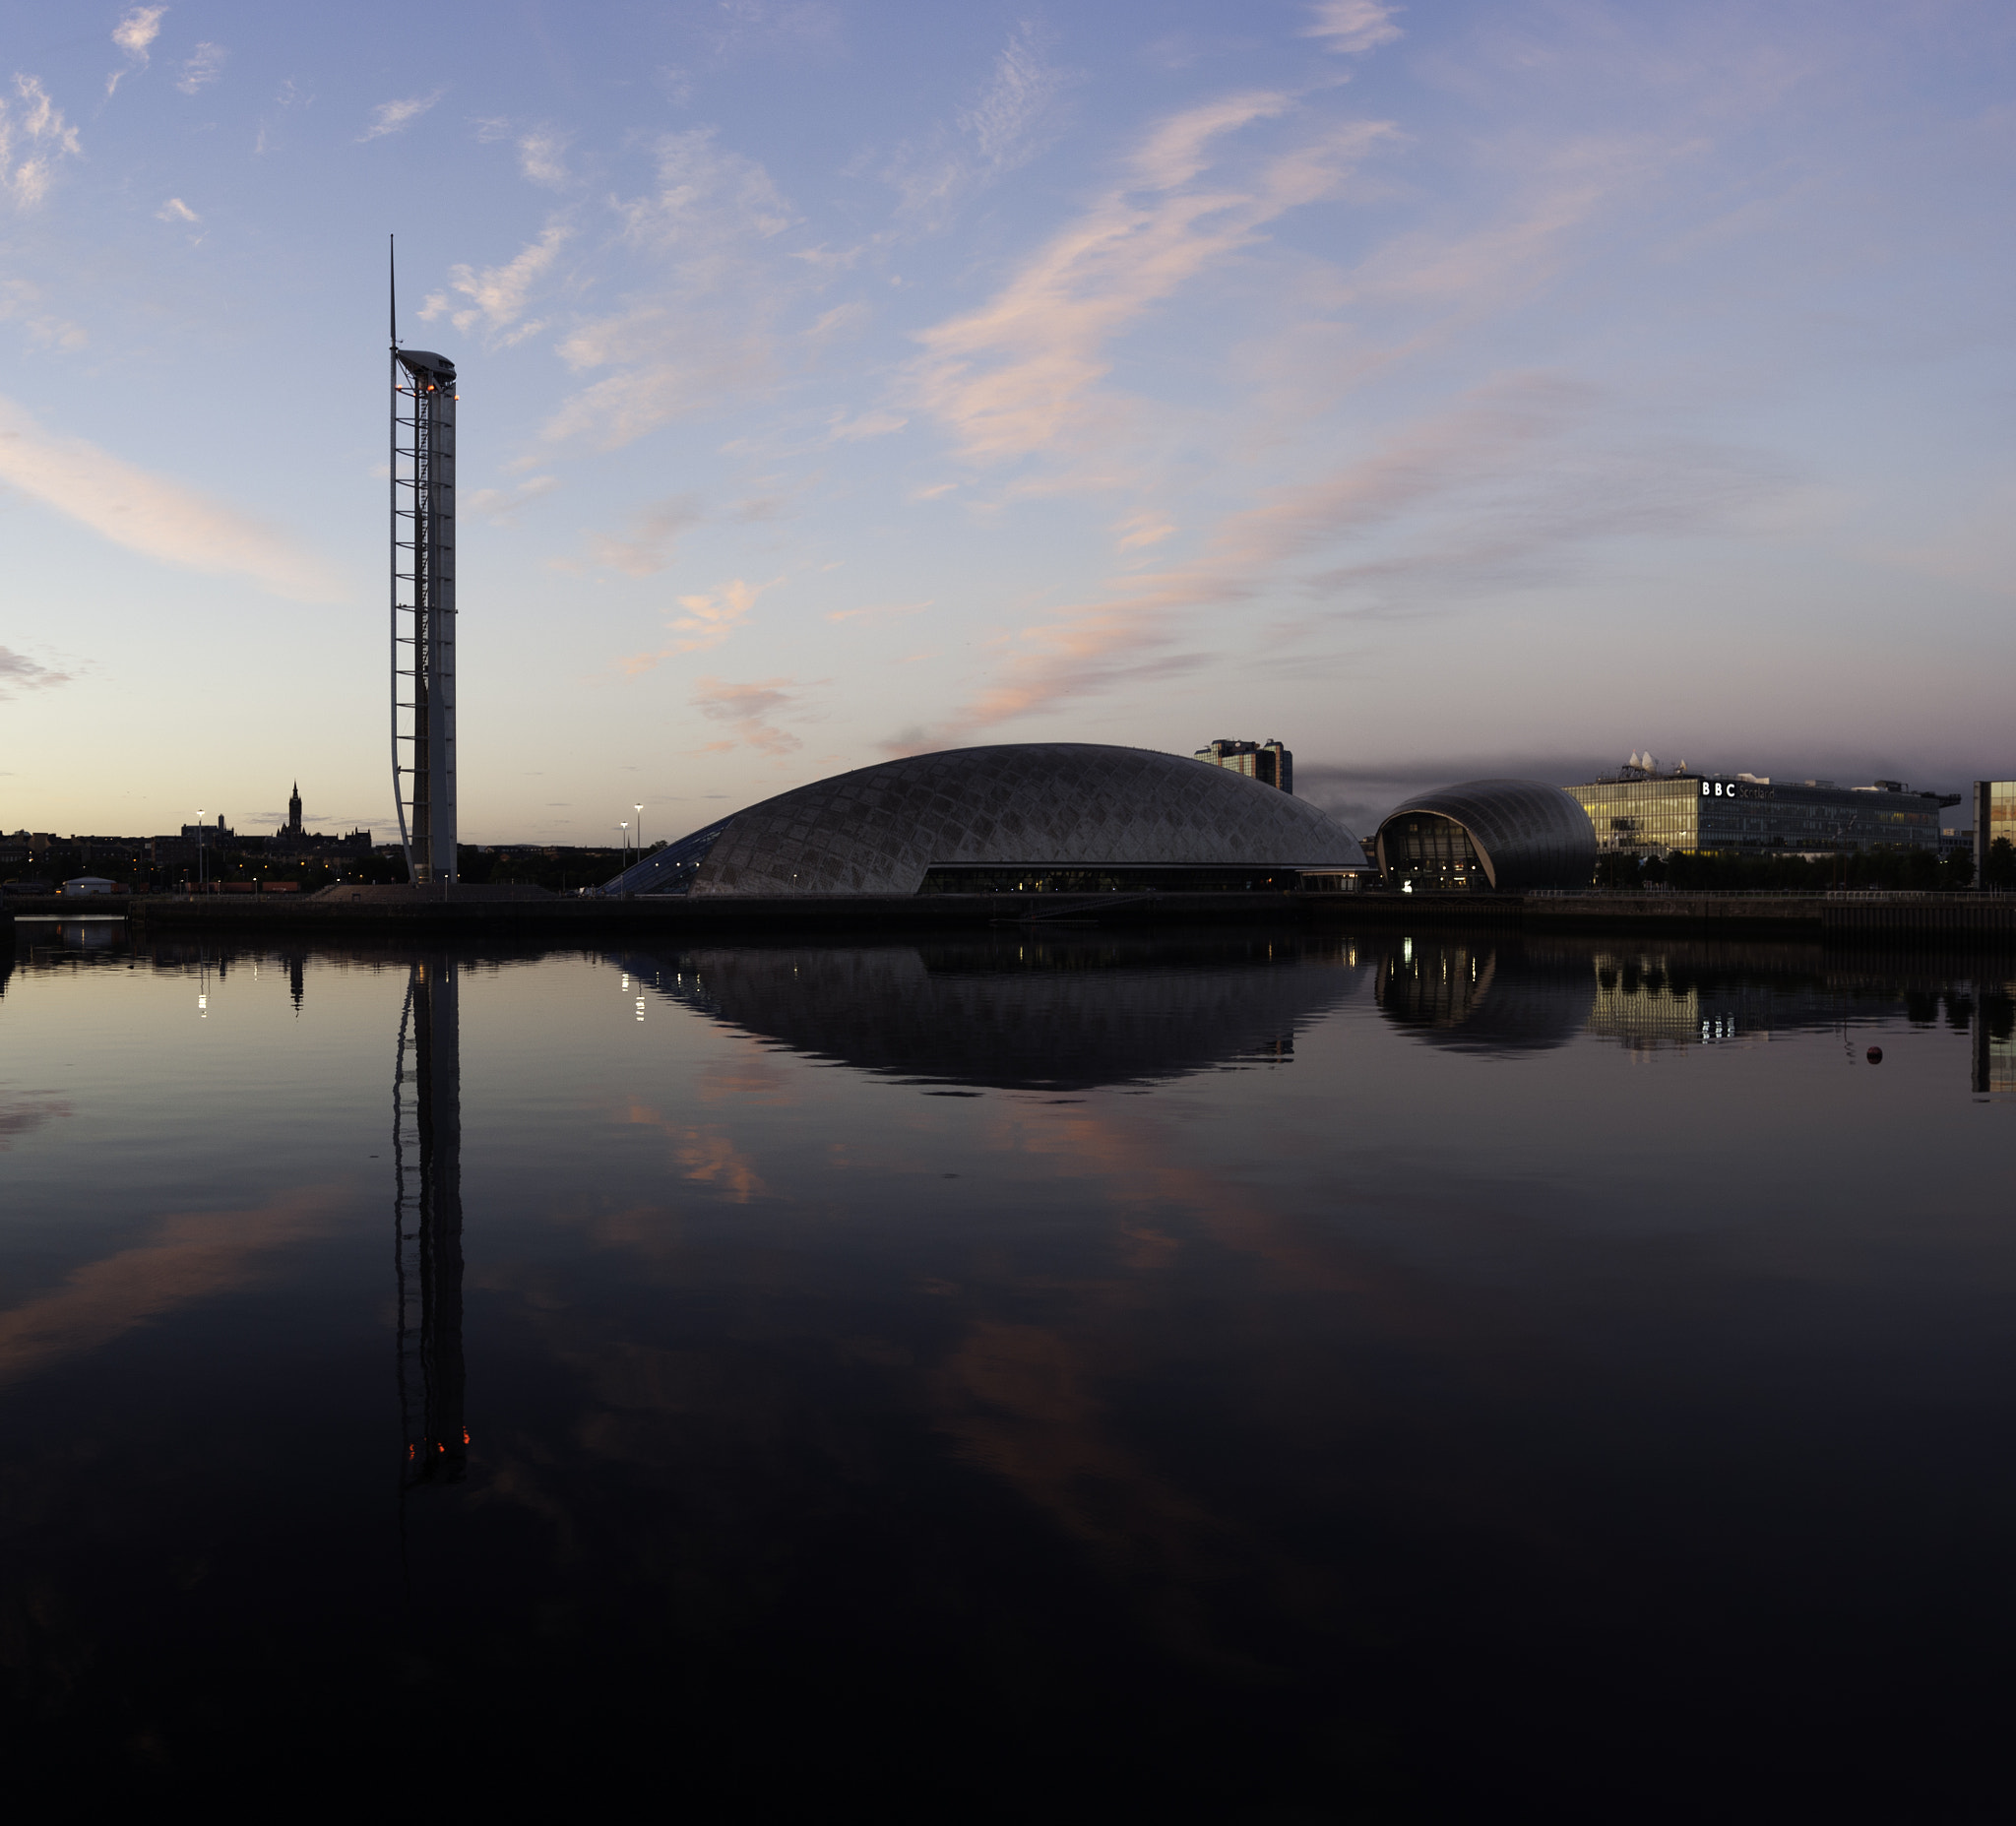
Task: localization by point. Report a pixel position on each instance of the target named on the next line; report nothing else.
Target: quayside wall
(1922, 919)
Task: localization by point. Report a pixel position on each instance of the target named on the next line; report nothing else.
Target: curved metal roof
(1049, 804)
(1526, 834)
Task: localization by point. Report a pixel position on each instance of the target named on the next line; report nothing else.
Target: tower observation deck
(424, 404)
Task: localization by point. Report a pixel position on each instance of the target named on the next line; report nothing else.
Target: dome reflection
(1485, 993)
(1055, 1013)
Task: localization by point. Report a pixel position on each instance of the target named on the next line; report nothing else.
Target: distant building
(1995, 815)
(213, 835)
(292, 840)
(1268, 762)
(1649, 813)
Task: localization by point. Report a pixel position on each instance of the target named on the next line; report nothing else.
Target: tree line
(1893, 866)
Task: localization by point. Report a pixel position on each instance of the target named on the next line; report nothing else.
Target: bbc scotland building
(1746, 814)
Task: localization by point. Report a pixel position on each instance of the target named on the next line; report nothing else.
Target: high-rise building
(1268, 762)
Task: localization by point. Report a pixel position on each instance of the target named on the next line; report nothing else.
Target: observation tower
(423, 610)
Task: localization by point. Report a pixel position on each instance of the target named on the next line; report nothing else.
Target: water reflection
(1274, 1445)
(1494, 995)
(1053, 1013)
(426, 1153)
(1510, 993)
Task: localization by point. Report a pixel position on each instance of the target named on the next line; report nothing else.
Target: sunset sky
(1447, 389)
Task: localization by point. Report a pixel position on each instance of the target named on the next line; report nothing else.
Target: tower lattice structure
(424, 402)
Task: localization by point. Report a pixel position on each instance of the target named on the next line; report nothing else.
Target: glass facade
(2001, 797)
(1709, 812)
(1427, 853)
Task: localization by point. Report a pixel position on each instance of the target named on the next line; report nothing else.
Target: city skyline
(1452, 391)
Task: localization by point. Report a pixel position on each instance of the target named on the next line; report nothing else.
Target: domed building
(1507, 836)
(1021, 817)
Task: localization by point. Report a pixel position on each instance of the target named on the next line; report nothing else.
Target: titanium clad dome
(1041, 805)
(1526, 834)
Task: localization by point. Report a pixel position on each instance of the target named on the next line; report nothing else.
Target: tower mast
(422, 467)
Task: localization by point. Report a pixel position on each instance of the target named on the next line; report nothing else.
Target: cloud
(1351, 27)
(746, 707)
(1178, 149)
(703, 330)
(151, 515)
(498, 294)
(1491, 267)
(880, 612)
(743, 27)
(1015, 118)
(287, 99)
(50, 137)
(706, 198)
(502, 506)
(841, 429)
(1485, 492)
(18, 299)
(395, 116)
(848, 318)
(647, 548)
(1023, 375)
(1008, 121)
(134, 34)
(1143, 530)
(175, 209)
(708, 621)
(540, 157)
(18, 672)
(206, 64)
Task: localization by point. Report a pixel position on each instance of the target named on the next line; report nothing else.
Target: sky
(1448, 390)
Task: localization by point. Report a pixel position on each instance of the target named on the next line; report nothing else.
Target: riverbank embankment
(392, 913)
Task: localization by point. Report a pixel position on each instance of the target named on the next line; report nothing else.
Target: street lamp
(199, 850)
(624, 827)
(639, 809)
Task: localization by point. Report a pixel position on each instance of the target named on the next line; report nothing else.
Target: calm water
(1379, 1377)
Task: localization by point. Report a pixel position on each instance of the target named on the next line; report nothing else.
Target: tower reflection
(426, 1153)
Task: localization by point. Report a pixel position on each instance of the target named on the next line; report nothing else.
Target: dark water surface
(1391, 1377)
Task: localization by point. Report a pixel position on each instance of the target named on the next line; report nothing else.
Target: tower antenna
(392, 282)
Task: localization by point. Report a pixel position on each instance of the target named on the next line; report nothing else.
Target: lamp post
(639, 810)
(624, 827)
(199, 850)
